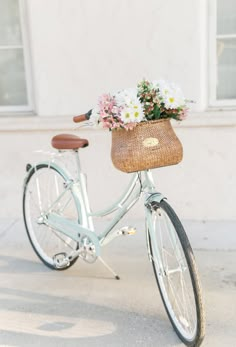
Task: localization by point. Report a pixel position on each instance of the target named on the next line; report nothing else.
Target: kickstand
(108, 268)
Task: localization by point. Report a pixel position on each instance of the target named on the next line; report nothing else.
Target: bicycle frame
(140, 182)
(168, 247)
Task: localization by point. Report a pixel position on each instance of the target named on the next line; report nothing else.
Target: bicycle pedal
(61, 260)
(128, 230)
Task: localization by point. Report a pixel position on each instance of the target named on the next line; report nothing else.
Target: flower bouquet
(139, 118)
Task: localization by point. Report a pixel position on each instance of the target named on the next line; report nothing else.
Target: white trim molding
(27, 64)
(212, 60)
(28, 122)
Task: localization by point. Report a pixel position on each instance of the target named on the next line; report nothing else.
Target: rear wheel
(43, 186)
(176, 273)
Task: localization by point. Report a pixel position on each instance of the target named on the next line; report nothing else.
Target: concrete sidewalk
(84, 306)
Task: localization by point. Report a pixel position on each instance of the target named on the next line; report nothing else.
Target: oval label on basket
(150, 142)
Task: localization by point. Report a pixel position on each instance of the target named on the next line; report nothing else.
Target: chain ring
(87, 248)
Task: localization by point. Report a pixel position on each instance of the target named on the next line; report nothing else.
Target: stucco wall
(81, 49)
(202, 187)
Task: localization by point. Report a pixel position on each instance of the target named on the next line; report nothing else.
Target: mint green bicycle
(59, 224)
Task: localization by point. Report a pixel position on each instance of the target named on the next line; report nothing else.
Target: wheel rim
(173, 275)
(43, 187)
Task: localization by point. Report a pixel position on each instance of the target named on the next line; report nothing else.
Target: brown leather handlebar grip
(80, 118)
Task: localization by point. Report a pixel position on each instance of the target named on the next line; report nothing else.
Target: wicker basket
(149, 145)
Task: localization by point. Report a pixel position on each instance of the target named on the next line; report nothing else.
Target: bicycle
(59, 224)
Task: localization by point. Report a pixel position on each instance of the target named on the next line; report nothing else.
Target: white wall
(202, 187)
(81, 49)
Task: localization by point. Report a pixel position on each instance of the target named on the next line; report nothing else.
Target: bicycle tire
(45, 236)
(161, 270)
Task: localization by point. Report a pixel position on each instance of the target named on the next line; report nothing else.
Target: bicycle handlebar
(82, 117)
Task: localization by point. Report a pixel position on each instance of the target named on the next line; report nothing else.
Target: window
(14, 66)
(223, 52)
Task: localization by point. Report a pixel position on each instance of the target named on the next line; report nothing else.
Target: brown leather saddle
(68, 141)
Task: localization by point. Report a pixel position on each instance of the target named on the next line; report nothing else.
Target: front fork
(151, 204)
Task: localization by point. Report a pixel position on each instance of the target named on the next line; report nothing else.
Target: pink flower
(130, 126)
(106, 125)
(183, 114)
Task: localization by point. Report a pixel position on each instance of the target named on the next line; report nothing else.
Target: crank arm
(72, 229)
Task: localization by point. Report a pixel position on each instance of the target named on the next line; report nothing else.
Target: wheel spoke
(39, 194)
(172, 271)
(46, 190)
(188, 301)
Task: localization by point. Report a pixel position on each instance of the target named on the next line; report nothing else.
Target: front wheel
(175, 272)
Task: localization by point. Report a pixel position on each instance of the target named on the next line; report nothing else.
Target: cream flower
(137, 113)
(174, 99)
(170, 94)
(132, 108)
(95, 115)
(127, 97)
(126, 116)
(132, 114)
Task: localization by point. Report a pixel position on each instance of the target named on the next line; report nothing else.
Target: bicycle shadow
(10, 264)
(34, 319)
(20, 265)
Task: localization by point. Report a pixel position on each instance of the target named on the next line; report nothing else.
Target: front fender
(158, 197)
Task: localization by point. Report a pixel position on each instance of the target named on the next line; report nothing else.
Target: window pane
(10, 32)
(12, 78)
(226, 53)
(226, 17)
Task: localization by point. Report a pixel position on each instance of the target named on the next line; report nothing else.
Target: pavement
(84, 306)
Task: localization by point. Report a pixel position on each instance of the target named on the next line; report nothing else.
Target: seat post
(83, 189)
(76, 152)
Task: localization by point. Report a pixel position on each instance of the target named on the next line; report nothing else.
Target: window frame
(213, 101)
(27, 65)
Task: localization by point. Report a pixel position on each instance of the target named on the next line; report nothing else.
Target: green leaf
(156, 112)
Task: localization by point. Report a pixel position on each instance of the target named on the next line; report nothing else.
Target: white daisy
(126, 115)
(175, 98)
(171, 94)
(132, 114)
(95, 116)
(127, 97)
(137, 113)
